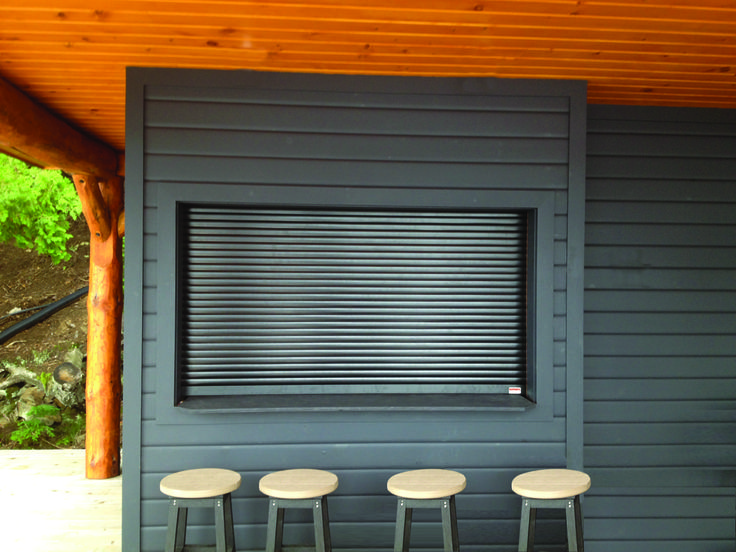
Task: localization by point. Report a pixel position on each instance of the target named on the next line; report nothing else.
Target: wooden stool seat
(201, 483)
(428, 488)
(300, 483)
(298, 488)
(425, 484)
(554, 488)
(551, 483)
(200, 488)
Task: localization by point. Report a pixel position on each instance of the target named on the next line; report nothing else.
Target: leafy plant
(9, 402)
(45, 378)
(39, 357)
(72, 427)
(36, 207)
(34, 427)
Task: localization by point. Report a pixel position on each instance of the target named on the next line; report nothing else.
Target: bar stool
(200, 488)
(429, 488)
(300, 488)
(557, 488)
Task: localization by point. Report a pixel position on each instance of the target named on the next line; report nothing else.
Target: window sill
(358, 403)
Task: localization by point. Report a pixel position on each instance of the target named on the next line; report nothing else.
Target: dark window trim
(540, 394)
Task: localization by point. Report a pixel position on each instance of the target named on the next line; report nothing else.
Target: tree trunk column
(102, 203)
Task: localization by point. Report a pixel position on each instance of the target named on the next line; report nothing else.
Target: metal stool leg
(403, 527)
(322, 540)
(176, 532)
(526, 529)
(275, 530)
(449, 525)
(574, 519)
(579, 523)
(224, 539)
(229, 528)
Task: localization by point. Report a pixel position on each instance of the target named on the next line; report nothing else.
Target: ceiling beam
(32, 133)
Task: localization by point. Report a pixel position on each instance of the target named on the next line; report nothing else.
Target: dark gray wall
(660, 330)
(208, 136)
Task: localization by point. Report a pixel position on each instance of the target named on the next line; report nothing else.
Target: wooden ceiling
(71, 55)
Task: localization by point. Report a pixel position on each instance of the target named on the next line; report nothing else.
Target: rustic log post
(102, 204)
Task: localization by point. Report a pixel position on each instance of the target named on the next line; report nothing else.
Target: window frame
(538, 401)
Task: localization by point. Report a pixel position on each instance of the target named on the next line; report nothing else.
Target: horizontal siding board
(354, 173)
(706, 544)
(649, 529)
(392, 93)
(659, 213)
(280, 145)
(678, 144)
(676, 235)
(672, 389)
(664, 167)
(650, 188)
(676, 410)
(671, 433)
(692, 323)
(672, 503)
(661, 279)
(423, 430)
(634, 121)
(371, 121)
(660, 455)
(654, 480)
(658, 367)
(657, 300)
(622, 256)
(397, 456)
(668, 345)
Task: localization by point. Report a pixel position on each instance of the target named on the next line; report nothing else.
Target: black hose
(42, 315)
(16, 313)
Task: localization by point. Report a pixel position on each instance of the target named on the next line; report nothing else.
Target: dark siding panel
(660, 320)
(357, 173)
(345, 146)
(373, 429)
(445, 135)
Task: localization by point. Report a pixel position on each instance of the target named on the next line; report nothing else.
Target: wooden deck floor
(47, 505)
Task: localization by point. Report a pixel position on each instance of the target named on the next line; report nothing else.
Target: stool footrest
(306, 503)
(199, 548)
(425, 502)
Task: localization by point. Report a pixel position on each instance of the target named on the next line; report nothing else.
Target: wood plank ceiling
(70, 55)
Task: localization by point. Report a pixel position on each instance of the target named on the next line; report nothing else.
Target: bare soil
(29, 280)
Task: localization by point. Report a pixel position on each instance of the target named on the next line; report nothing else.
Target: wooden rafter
(30, 132)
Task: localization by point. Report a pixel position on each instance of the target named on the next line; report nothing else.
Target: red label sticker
(514, 390)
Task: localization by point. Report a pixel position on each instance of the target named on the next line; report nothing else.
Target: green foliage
(72, 429)
(39, 357)
(36, 207)
(45, 378)
(9, 402)
(34, 427)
